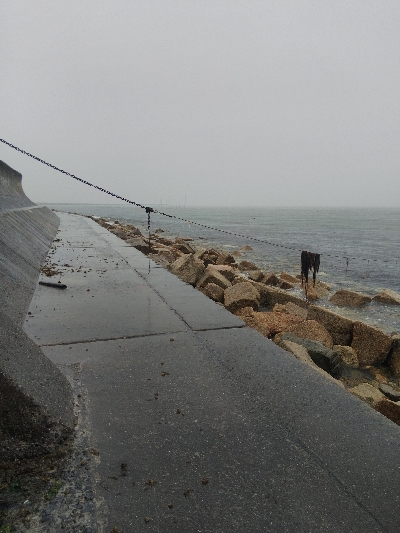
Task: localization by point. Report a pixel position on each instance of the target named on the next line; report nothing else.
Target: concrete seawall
(35, 399)
(12, 195)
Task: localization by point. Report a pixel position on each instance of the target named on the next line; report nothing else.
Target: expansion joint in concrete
(219, 328)
(125, 337)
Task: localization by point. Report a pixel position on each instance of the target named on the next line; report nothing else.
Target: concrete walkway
(197, 423)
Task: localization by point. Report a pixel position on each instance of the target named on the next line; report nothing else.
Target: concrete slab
(198, 311)
(105, 298)
(215, 430)
(201, 454)
(205, 314)
(342, 433)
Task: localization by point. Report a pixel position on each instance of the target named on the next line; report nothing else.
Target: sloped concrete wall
(25, 239)
(12, 195)
(36, 408)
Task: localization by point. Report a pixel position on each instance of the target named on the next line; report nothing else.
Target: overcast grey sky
(226, 102)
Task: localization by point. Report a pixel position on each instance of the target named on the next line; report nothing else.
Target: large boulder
(210, 257)
(139, 243)
(245, 312)
(241, 295)
(271, 323)
(390, 392)
(322, 356)
(388, 296)
(346, 298)
(256, 275)
(270, 279)
(286, 285)
(347, 355)
(247, 265)
(371, 345)
(313, 331)
(302, 355)
(317, 291)
(213, 275)
(339, 327)
(183, 246)
(289, 278)
(225, 270)
(389, 409)
(394, 359)
(238, 279)
(187, 269)
(297, 350)
(213, 291)
(164, 241)
(367, 392)
(271, 296)
(132, 230)
(225, 259)
(119, 232)
(167, 254)
(291, 309)
(198, 255)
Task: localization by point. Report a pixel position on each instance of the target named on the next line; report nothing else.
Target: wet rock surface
(347, 298)
(370, 344)
(215, 292)
(367, 392)
(347, 354)
(322, 356)
(390, 392)
(187, 269)
(212, 275)
(394, 358)
(312, 330)
(388, 296)
(389, 409)
(241, 295)
(339, 327)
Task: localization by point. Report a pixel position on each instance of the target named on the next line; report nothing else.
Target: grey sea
(360, 248)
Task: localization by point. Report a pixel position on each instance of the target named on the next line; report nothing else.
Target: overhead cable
(152, 210)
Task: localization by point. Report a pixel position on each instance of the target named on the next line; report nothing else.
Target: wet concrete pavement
(198, 423)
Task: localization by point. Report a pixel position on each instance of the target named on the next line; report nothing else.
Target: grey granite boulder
(322, 356)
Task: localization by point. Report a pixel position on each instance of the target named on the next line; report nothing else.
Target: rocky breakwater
(360, 357)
